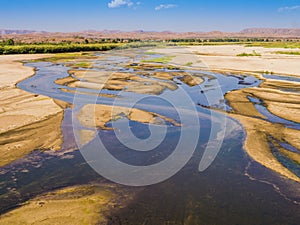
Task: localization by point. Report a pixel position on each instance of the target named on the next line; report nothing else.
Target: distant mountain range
(272, 32)
(141, 34)
(3, 32)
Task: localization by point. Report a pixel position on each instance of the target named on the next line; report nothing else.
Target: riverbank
(228, 57)
(23, 115)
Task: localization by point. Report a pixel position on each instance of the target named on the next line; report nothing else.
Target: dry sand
(261, 133)
(130, 82)
(27, 121)
(119, 81)
(225, 58)
(257, 142)
(97, 116)
(12, 70)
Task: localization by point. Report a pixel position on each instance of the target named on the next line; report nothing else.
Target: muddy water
(233, 190)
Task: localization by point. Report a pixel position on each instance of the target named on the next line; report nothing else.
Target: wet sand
(86, 204)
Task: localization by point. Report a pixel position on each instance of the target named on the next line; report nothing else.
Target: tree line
(58, 48)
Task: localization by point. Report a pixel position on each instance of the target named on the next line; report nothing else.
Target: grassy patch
(189, 64)
(83, 64)
(288, 53)
(69, 57)
(244, 54)
(163, 60)
(65, 57)
(274, 44)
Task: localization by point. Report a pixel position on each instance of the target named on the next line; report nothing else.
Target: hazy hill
(3, 31)
(28, 36)
(278, 32)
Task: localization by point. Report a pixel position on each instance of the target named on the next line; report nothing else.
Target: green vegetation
(249, 42)
(9, 42)
(288, 53)
(69, 57)
(276, 44)
(248, 54)
(80, 44)
(189, 64)
(83, 64)
(163, 60)
(268, 72)
(54, 48)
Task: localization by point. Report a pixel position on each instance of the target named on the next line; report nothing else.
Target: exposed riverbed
(233, 190)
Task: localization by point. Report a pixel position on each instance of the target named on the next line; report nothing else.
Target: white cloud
(119, 3)
(165, 6)
(289, 8)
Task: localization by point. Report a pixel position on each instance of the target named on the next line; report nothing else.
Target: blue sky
(158, 15)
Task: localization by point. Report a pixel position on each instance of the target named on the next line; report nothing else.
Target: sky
(148, 15)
